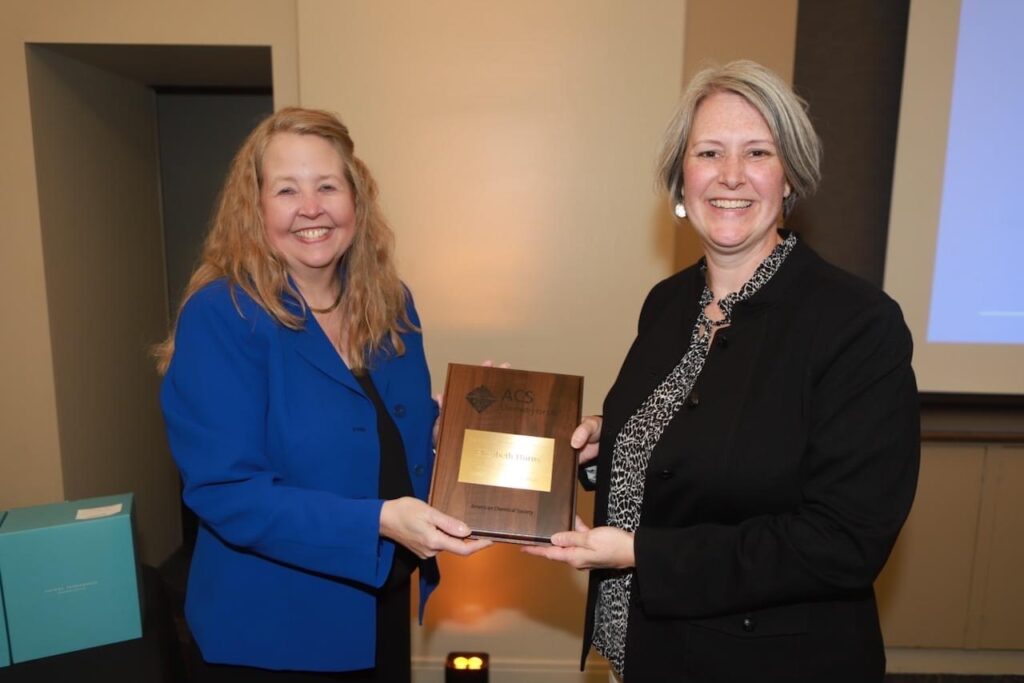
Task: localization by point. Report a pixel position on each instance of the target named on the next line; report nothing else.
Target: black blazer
(776, 493)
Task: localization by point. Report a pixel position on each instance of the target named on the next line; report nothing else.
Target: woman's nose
(731, 172)
(310, 206)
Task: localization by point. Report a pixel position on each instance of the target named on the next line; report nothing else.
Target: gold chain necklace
(329, 309)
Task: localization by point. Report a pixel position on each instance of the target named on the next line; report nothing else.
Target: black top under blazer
(776, 493)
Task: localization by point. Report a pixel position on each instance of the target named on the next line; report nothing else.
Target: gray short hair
(784, 111)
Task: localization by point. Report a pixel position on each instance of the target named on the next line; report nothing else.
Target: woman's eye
(707, 154)
(286, 191)
(327, 188)
(760, 153)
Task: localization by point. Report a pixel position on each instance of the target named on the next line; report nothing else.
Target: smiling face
(733, 180)
(308, 209)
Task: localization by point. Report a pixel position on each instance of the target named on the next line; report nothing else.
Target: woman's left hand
(602, 547)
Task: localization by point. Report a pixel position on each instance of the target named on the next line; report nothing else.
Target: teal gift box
(5, 655)
(68, 576)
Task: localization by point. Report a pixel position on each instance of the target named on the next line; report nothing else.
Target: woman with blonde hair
(298, 409)
(758, 452)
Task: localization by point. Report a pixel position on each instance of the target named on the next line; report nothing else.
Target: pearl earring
(680, 210)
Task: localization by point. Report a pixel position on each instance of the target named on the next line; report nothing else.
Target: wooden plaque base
(504, 463)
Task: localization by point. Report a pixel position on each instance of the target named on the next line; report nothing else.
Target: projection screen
(956, 231)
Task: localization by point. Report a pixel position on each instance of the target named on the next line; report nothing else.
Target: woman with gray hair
(758, 452)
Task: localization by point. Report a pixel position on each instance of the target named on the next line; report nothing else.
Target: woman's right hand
(587, 437)
(424, 530)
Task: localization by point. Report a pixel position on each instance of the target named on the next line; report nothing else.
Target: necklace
(329, 309)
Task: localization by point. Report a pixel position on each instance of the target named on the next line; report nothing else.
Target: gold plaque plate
(513, 461)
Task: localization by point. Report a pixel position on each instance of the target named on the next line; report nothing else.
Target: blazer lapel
(657, 350)
(312, 344)
(664, 345)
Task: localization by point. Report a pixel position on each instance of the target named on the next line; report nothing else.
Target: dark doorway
(131, 145)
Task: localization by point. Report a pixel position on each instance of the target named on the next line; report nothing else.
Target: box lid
(70, 512)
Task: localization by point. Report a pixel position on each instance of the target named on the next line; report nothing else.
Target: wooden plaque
(504, 463)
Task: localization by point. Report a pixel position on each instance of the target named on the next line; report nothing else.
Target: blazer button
(419, 470)
(693, 401)
(666, 474)
(399, 410)
(749, 623)
(722, 340)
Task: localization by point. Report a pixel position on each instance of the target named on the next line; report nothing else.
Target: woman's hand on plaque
(587, 437)
(424, 530)
(602, 547)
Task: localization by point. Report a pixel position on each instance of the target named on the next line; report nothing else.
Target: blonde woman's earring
(680, 210)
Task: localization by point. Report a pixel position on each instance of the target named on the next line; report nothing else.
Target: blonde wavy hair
(373, 307)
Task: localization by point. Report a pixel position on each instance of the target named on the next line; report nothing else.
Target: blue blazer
(278, 450)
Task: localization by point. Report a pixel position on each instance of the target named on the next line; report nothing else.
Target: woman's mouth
(311, 234)
(730, 203)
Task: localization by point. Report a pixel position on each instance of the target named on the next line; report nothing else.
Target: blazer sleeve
(215, 402)
(860, 474)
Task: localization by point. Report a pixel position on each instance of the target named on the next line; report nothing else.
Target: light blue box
(69, 576)
(5, 654)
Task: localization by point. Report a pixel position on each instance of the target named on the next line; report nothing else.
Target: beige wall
(925, 589)
(718, 31)
(514, 145)
(30, 470)
(37, 408)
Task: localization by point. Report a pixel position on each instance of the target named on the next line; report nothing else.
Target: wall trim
(953, 661)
